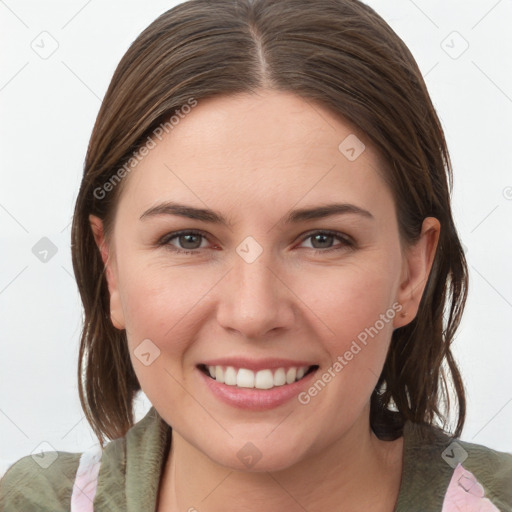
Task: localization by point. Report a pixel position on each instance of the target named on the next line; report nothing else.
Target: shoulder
(39, 482)
(461, 470)
(62, 481)
(490, 468)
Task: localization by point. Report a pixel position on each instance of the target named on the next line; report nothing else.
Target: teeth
(244, 378)
(263, 379)
(279, 377)
(291, 375)
(230, 376)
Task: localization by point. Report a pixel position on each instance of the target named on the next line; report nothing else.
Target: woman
(234, 141)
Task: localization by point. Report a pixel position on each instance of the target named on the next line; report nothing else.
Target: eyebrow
(295, 216)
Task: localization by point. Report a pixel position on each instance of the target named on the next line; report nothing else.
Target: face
(254, 282)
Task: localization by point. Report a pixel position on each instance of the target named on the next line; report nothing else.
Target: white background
(48, 107)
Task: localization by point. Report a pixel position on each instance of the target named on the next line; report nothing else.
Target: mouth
(262, 379)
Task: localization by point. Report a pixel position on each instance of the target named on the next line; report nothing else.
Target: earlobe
(116, 311)
(417, 266)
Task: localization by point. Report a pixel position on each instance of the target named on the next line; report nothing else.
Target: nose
(255, 298)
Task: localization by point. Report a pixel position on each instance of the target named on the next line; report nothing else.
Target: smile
(262, 379)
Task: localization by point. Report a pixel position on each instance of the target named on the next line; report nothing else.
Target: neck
(358, 472)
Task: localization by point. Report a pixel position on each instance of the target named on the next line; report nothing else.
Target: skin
(254, 158)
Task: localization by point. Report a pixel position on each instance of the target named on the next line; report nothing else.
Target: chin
(253, 457)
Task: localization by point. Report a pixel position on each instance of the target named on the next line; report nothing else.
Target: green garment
(131, 467)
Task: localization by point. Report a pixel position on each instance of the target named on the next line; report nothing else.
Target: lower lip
(256, 399)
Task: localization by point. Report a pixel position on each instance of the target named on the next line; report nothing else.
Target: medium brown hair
(341, 55)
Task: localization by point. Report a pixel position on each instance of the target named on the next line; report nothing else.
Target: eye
(187, 242)
(322, 241)
(191, 241)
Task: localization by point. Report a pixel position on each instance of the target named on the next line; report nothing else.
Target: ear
(415, 271)
(116, 310)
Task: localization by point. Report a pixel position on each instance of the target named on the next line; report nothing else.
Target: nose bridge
(254, 300)
(254, 280)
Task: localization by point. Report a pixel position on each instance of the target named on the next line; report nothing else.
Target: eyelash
(346, 241)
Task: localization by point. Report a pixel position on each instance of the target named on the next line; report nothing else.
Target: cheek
(162, 303)
(353, 317)
(165, 306)
(354, 312)
(350, 298)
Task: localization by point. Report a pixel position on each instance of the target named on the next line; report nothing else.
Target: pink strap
(86, 481)
(466, 493)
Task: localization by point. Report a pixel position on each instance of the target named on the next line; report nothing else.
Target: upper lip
(257, 364)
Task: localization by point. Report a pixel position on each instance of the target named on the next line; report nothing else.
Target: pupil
(187, 240)
(316, 237)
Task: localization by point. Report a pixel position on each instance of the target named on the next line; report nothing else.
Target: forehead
(257, 147)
